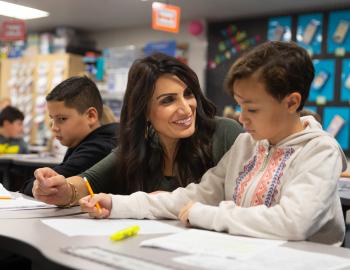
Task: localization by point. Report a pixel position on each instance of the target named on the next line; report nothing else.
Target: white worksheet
(87, 226)
(273, 259)
(211, 243)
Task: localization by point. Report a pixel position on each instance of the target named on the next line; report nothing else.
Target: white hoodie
(286, 191)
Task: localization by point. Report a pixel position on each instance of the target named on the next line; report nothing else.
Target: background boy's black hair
(10, 114)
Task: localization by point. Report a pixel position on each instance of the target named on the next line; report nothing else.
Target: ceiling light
(20, 12)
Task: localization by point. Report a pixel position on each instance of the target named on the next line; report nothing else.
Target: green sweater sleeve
(102, 176)
(224, 136)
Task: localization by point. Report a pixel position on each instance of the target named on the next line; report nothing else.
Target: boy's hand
(184, 212)
(50, 187)
(88, 204)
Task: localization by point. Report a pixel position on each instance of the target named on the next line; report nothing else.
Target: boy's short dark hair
(10, 114)
(283, 67)
(79, 93)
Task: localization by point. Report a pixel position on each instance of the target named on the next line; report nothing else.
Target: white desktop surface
(42, 244)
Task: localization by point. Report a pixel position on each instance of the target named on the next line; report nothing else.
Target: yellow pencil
(91, 193)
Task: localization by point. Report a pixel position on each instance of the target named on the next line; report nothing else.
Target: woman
(169, 137)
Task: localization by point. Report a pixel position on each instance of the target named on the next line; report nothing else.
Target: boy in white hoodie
(279, 179)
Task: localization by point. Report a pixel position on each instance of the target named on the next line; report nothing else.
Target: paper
(4, 193)
(208, 262)
(39, 213)
(107, 257)
(344, 182)
(23, 204)
(212, 243)
(87, 226)
(344, 188)
(15, 201)
(273, 259)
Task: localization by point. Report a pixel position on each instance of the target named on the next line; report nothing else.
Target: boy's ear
(293, 101)
(6, 123)
(92, 115)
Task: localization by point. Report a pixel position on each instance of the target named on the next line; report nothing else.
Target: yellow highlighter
(125, 233)
(91, 193)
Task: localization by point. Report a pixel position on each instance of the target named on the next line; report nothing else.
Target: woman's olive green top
(103, 178)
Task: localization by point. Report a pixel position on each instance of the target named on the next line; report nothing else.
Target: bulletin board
(226, 42)
(325, 34)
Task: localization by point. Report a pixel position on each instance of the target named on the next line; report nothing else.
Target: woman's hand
(88, 204)
(50, 187)
(184, 212)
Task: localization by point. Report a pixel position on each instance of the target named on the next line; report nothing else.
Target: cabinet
(27, 81)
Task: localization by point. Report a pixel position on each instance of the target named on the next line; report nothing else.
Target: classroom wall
(139, 36)
(228, 40)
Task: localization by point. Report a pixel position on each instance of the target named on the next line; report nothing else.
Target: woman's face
(172, 109)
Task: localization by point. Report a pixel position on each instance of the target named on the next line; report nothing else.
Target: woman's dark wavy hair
(141, 160)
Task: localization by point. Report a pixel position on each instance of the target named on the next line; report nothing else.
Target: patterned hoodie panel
(268, 167)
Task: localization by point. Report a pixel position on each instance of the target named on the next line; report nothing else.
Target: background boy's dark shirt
(92, 149)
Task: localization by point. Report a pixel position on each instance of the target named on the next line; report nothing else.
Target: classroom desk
(31, 238)
(36, 160)
(24, 165)
(344, 192)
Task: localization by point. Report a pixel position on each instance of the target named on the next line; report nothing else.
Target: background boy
(75, 108)
(11, 131)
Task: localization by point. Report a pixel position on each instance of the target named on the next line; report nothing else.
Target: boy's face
(14, 129)
(263, 116)
(67, 124)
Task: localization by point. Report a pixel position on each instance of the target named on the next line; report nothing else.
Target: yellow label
(9, 149)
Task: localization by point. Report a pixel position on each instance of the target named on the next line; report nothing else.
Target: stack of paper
(275, 258)
(22, 203)
(212, 243)
(4, 193)
(213, 250)
(10, 202)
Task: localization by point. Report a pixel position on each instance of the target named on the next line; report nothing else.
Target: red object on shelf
(12, 30)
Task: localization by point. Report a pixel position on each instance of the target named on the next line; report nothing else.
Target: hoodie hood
(312, 130)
